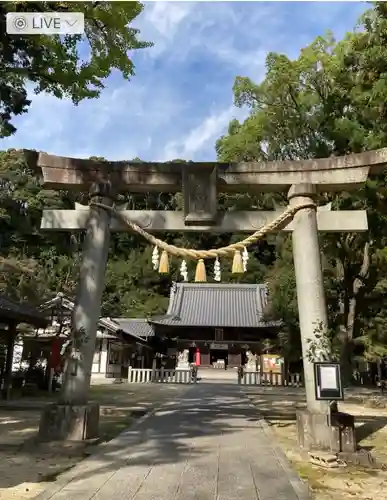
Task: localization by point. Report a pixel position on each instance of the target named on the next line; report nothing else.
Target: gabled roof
(140, 327)
(111, 325)
(59, 299)
(11, 310)
(216, 305)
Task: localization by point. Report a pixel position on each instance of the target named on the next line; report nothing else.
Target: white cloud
(178, 104)
(166, 17)
(207, 132)
(160, 23)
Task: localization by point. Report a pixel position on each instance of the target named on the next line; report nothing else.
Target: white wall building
(118, 345)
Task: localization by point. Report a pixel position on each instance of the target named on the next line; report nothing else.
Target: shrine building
(211, 322)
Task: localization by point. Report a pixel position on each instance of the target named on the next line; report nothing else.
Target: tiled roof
(59, 300)
(138, 327)
(216, 305)
(20, 312)
(135, 328)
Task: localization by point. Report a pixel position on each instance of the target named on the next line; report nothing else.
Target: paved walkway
(207, 445)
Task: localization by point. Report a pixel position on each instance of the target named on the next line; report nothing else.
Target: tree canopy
(331, 100)
(72, 66)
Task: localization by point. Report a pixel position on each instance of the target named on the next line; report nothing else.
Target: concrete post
(88, 304)
(310, 288)
(103, 367)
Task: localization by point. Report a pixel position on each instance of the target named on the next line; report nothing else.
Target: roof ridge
(172, 294)
(179, 303)
(124, 318)
(220, 285)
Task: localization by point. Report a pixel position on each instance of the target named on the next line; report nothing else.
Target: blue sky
(180, 101)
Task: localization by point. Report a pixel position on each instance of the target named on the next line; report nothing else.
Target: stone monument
(251, 363)
(182, 360)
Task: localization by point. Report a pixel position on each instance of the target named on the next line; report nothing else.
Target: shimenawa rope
(281, 221)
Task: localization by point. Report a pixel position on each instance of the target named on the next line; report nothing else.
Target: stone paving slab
(209, 444)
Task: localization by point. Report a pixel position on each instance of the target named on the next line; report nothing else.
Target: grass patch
(312, 475)
(278, 408)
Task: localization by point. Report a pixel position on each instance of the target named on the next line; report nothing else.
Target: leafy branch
(321, 347)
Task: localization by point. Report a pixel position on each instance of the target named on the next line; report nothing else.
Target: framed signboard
(327, 379)
(218, 334)
(271, 363)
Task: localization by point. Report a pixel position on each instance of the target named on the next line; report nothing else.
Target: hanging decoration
(164, 263)
(184, 270)
(237, 264)
(238, 250)
(217, 272)
(200, 274)
(155, 258)
(245, 259)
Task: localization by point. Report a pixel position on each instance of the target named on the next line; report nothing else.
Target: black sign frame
(327, 394)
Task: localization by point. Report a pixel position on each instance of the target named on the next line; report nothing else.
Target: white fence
(256, 378)
(162, 376)
(148, 375)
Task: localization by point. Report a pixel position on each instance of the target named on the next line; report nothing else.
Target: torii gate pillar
(310, 287)
(73, 417)
(314, 422)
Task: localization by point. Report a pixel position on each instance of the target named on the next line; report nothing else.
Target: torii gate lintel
(331, 174)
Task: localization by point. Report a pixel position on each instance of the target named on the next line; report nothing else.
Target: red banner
(55, 360)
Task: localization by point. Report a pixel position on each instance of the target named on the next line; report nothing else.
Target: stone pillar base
(60, 422)
(343, 431)
(183, 366)
(315, 432)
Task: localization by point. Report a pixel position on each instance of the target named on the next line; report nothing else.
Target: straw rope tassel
(200, 274)
(237, 264)
(164, 263)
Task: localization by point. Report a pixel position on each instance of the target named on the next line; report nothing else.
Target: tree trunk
(350, 309)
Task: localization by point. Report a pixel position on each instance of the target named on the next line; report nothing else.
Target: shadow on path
(208, 443)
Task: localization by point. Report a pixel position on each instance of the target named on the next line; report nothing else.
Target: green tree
(328, 101)
(55, 64)
(132, 288)
(54, 257)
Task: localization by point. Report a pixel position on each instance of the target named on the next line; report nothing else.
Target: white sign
(328, 378)
(45, 23)
(219, 347)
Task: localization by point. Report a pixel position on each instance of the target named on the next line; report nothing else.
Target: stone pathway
(209, 444)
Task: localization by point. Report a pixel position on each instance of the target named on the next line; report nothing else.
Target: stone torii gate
(200, 183)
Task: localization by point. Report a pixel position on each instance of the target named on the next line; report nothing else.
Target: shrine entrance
(302, 180)
(219, 357)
